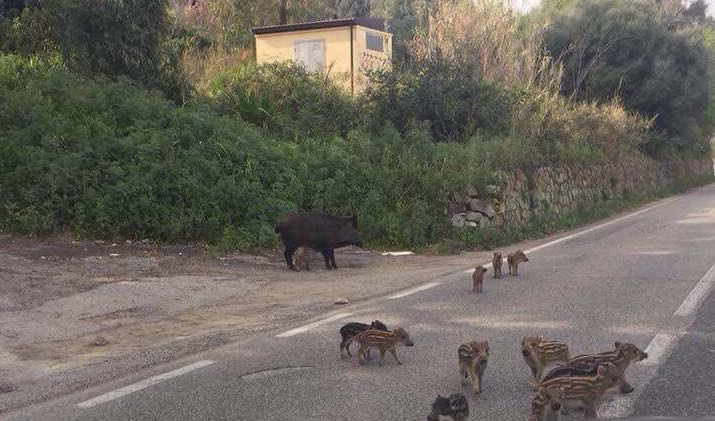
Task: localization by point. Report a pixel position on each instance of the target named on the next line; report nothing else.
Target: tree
(638, 51)
(112, 37)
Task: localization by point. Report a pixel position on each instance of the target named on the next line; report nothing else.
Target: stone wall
(518, 198)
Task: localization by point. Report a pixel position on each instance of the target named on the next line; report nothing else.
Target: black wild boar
(319, 231)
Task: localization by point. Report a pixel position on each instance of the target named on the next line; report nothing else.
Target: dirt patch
(60, 295)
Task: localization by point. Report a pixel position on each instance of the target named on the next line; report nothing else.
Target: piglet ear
(618, 345)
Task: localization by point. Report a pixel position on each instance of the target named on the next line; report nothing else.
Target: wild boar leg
(326, 256)
(394, 354)
(288, 254)
(332, 259)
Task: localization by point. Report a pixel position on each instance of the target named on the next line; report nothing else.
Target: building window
(311, 54)
(374, 42)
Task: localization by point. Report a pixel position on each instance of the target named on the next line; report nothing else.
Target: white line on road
(658, 349)
(586, 231)
(313, 325)
(599, 226)
(486, 266)
(143, 384)
(413, 290)
(697, 295)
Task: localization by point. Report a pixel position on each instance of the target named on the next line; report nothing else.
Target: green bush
(455, 106)
(285, 100)
(104, 158)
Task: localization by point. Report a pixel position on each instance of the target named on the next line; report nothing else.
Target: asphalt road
(624, 281)
(685, 383)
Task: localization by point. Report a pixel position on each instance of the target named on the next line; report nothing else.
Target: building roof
(372, 23)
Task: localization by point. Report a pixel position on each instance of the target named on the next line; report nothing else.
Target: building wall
(366, 59)
(279, 47)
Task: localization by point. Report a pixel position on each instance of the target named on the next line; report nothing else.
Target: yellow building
(342, 48)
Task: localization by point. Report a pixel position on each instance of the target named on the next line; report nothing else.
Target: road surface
(641, 277)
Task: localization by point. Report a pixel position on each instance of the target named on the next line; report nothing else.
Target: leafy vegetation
(149, 119)
(641, 52)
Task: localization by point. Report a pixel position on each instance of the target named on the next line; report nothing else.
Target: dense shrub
(104, 158)
(445, 95)
(284, 99)
(653, 60)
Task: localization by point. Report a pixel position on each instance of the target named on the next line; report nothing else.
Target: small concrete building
(342, 48)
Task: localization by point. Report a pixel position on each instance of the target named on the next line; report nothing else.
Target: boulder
(474, 216)
(481, 206)
(457, 208)
(458, 220)
(471, 191)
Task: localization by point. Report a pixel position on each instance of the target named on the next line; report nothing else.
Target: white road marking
(413, 290)
(486, 266)
(697, 295)
(658, 349)
(586, 231)
(599, 226)
(313, 325)
(143, 384)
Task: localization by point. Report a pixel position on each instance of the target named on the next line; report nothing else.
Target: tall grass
(500, 45)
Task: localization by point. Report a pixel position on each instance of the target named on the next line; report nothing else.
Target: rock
(100, 341)
(341, 301)
(457, 197)
(471, 224)
(471, 191)
(498, 221)
(457, 208)
(492, 189)
(113, 255)
(474, 216)
(459, 220)
(128, 242)
(481, 206)
(484, 223)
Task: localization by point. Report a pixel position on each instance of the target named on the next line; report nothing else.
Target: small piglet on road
(319, 231)
(478, 278)
(454, 407)
(349, 330)
(383, 341)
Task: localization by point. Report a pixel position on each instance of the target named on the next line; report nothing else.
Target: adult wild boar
(319, 231)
